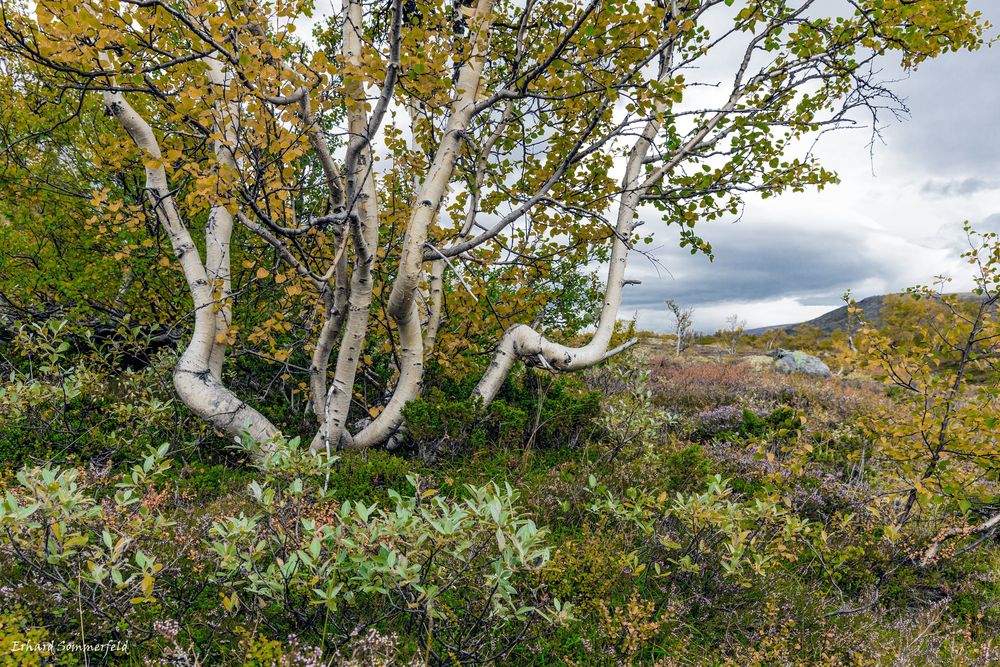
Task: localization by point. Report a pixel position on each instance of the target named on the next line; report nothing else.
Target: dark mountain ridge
(837, 319)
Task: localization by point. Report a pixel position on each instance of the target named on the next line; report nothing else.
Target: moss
(16, 630)
(367, 475)
(207, 481)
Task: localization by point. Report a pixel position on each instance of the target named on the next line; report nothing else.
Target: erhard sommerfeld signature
(68, 646)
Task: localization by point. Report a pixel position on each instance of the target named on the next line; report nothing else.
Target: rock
(758, 362)
(799, 362)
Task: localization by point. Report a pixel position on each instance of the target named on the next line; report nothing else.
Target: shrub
(708, 533)
(695, 387)
(368, 475)
(69, 536)
(17, 631)
(453, 569)
(591, 570)
(533, 410)
(57, 405)
(633, 426)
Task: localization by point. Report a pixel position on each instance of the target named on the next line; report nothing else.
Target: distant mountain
(836, 319)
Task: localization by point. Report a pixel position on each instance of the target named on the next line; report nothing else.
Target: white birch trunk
(219, 228)
(194, 381)
(361, 186)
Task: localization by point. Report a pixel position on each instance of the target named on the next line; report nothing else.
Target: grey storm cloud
(756, 261)
(990, 223)
(959, 187)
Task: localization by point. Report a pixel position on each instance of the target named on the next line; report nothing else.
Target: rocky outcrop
(797, 361)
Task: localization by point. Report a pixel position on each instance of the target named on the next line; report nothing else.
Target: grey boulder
(797, 361)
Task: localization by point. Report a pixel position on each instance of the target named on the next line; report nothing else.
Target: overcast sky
(894, 221)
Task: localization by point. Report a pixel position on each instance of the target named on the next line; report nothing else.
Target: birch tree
(411, 179)
(732, 332)
(683, 321)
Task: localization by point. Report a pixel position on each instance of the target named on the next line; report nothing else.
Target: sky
(894, 221)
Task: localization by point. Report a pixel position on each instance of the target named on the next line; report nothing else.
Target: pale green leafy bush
(60, 403)
(457, 567)
(59, 536)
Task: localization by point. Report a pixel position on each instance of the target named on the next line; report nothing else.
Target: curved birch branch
(194, 381)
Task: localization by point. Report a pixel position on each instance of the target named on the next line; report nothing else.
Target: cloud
(756, 261)
(959, 187)
(769, 271)
(954, 100)
(990, 223)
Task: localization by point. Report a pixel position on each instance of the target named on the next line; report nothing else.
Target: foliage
(651, 561)
(60, 404)
(322, 203)
(16, 630)
(533, 410)
(694, 531)
(411, 553)
(938, 436)
(361, 227)
(62, 535)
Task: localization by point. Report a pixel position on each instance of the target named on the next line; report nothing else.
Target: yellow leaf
(262, 273)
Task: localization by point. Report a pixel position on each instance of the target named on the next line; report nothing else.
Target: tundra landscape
(328, 334)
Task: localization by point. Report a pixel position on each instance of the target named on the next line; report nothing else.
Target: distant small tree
(773, 338)
(807, 337)
(730, 334)
(683, 321)
(852, 321)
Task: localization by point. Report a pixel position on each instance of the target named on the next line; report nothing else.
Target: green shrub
(456, 570)
(17, 631)
(84, 540)
(57, 404)
(368, 475)
(530, 411)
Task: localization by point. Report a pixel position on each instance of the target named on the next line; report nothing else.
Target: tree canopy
(418, 183)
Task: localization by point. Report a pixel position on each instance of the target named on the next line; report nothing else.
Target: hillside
(836, 319)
